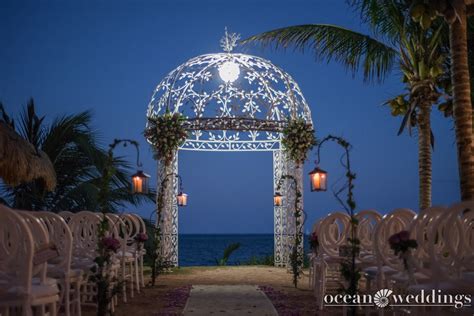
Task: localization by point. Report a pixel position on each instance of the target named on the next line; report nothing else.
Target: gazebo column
(295, 170)
(169, 218)
(280, 218)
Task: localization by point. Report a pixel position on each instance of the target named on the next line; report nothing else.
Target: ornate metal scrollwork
(232, 102)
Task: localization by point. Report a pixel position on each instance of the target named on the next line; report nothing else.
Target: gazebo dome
(231, 101)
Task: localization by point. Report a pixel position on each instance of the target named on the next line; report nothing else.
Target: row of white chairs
(46, 259)
(443, 259)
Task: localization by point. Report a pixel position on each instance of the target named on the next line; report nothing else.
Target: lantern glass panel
(318, 180)
(182, 199)
(140, 182)
(277, 199)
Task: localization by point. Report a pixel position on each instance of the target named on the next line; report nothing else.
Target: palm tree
(78, 160)
(396, 43)
(456, 14)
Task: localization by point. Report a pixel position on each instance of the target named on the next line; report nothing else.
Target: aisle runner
(228, 300)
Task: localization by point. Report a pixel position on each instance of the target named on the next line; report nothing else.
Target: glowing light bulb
(229, 71)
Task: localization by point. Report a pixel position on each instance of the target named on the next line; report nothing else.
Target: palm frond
(330, 42)
(70, 129)
(229, 250)
(31, 126)
(5, 117)
(78, 160)
(227, 253)
(386, 18)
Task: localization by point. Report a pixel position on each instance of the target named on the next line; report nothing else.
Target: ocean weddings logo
(385, 297)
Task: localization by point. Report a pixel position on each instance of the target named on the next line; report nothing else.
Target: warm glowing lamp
(140, 182)
(318, 179)
(229, 71)
(182, 199)
(278, 199)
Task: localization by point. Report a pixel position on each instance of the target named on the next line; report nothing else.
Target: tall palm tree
(462, 111)
(456, 14)
(77, 158)
(423, 64)
(396, 43)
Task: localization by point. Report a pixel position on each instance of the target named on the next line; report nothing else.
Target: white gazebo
(232, 102)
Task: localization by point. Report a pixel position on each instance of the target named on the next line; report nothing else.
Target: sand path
(228, 300)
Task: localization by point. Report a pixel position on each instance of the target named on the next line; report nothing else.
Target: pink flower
(141, 237)
(394, 239)
(404, 235)
(314, 241)
(110, 244)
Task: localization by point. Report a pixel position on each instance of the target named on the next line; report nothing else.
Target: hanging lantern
(278, 199)
(140, 182)
(318, 178)
(182, 199)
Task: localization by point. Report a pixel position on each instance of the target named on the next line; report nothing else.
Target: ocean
(204, 250)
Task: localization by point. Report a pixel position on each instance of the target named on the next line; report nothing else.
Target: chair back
(451, 242)
(117, 227)
(85, 231)
(419, 230)
(59, 234)
(66, 215)
(132, 225)
(392, 223)
(40, 240)
(16, 250)
(367, 223)
(333, 233)
(141, 223)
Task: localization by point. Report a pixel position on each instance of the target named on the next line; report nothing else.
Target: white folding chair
(17, 258)
(70, 280)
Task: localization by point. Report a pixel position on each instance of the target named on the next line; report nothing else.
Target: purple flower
(394, 239)
(404, 235)
(314, 241)
(141, 237)
(110, 244)
(401, 242)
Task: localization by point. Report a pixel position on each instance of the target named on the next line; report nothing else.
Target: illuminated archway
(232, 102)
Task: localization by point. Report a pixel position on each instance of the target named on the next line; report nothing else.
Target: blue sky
(108, 56)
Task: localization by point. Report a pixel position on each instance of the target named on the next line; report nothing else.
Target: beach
(169, 295)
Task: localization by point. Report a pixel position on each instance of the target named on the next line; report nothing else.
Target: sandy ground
(170, 294)
(157, 300)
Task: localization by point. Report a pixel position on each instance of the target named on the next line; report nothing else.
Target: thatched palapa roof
(20, 162)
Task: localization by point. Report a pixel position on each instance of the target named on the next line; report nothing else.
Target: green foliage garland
(166, 133)
(296, 258)
(349, 270)
(159, 262)
(298, 139)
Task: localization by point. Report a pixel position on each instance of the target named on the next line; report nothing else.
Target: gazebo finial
(229, 41)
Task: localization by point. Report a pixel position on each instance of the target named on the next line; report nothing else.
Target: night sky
(108, 56)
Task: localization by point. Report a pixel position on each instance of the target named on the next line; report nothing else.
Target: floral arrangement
(110, 244)
(141, 237)
(166, 133)
(401, 243)
(140, 240)
(298, 139)
(107, 285)
(314, 242)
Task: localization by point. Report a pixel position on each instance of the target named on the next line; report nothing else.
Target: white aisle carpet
(228, 300)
